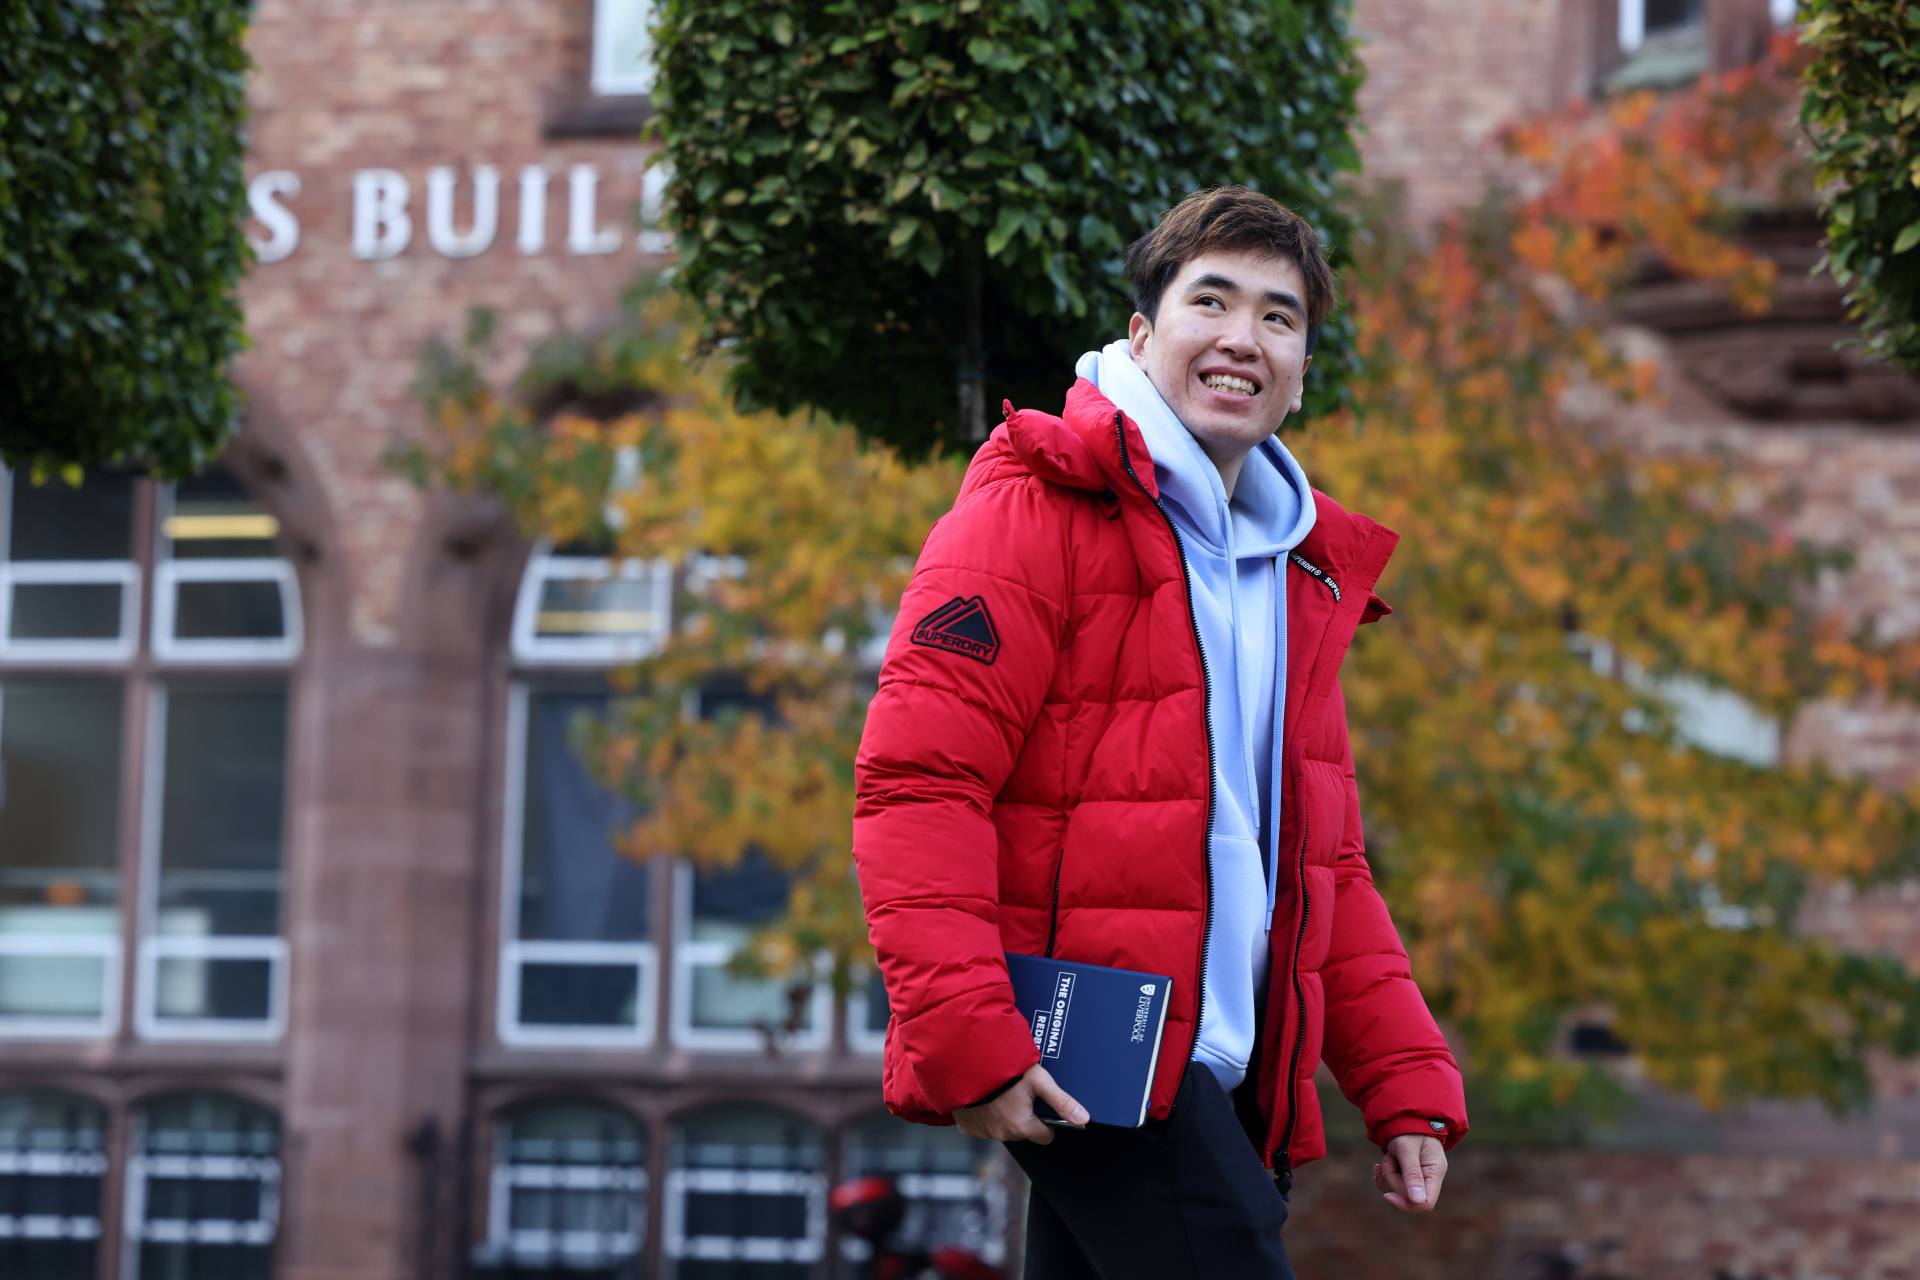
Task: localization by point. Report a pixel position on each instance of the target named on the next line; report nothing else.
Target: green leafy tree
(1862, 109)
(122, 130)
(900, 211)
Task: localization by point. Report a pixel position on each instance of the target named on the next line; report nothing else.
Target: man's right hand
(1010, 1118)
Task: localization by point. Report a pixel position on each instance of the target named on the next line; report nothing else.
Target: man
(1109, 727)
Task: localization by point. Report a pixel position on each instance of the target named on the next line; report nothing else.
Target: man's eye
(1205, 298)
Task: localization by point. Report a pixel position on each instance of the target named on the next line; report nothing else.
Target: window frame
(689, 955)
(59, 1164)
(149, 1024)
(676, 1245)
(545, 565)
(859, 1038)
(514, 951)
(506, 1174)
(124, 573)
(104, 946)
(169, 572)
(136, 1228)
(603, 78)
(1632, 23)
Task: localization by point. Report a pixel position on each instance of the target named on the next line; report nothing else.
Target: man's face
(1228, 351)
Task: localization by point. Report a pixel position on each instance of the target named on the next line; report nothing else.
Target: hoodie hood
(1272, 508)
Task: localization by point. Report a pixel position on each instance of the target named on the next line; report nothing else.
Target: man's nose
(1240, 339)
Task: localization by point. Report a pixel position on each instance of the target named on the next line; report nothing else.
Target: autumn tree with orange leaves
(1555, 843)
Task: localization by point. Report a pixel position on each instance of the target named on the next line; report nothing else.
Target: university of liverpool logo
(962, 625)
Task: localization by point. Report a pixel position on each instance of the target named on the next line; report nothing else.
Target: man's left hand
(1410, 1174)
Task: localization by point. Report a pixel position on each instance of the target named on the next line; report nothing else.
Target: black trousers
(1177, 1198)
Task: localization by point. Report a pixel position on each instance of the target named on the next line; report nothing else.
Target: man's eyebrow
(1278, 297)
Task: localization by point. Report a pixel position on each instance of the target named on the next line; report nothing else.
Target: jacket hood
(1272, 505)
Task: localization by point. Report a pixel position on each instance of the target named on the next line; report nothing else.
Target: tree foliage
(122, 130)
(1862, 108)
(825, 530)
(876, 201)
(1555, 841)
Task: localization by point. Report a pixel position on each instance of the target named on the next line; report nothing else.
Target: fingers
(1054, 1096)
(1409, 1175)
(1433, 1163)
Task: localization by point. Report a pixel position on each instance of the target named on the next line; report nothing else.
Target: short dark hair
(1233, 220)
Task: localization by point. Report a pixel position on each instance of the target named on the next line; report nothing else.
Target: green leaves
(122, 316)
(1862, 110)
(942, 160)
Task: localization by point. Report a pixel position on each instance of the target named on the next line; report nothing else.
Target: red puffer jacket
(1035, 768)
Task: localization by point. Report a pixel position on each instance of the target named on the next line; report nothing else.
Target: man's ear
(1300, 388)
(1139, 329)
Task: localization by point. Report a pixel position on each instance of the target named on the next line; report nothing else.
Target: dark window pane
(215, 518)
(1662, 14)
(44, 1123)
(751, 893)
(50, 1259)
(690, 1269)
(54, 522)
(220, 851)
(205, 1262)
(195, 987)
(877, 1008)
(578, 995)
(65, 611)
(249, 610)
(574, 886)
(59, 797)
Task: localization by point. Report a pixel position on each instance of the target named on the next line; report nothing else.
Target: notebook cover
(1098, 1032)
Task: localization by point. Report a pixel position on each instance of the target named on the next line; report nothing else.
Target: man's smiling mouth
(1230, 384)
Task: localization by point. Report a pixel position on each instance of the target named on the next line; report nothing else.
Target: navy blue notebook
(1098, 1032)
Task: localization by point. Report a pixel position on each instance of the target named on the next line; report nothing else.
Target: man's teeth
(1227, 382)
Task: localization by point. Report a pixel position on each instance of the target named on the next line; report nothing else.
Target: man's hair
(1230, 220)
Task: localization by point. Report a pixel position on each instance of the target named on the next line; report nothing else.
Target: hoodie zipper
(1206, 717)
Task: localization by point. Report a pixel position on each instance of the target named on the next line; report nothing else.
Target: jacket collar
(1081, 448)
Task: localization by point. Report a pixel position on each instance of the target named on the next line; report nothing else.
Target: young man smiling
(1109, 727)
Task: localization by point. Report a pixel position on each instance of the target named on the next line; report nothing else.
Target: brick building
(314, 960)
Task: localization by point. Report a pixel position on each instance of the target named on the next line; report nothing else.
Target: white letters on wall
(486, 211)
(584, 235)
(533, 210)
(283, 229)
(382, 219)
(381, 224)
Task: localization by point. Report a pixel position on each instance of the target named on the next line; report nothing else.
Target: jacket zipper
(1053, 914)
(1285, 1176)
(1206, 718)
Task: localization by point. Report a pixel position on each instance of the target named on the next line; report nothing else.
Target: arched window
(52, 1165)
(954, 1186)
(568, 1190)
(745, 1196)
(203, 1189)
(194, 712)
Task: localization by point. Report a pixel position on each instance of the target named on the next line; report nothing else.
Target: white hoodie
(1236, 555)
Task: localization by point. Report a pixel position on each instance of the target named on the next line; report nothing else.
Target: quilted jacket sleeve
(1381, 1040)
(973, 651)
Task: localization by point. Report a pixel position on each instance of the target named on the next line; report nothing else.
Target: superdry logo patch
(962, 625)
